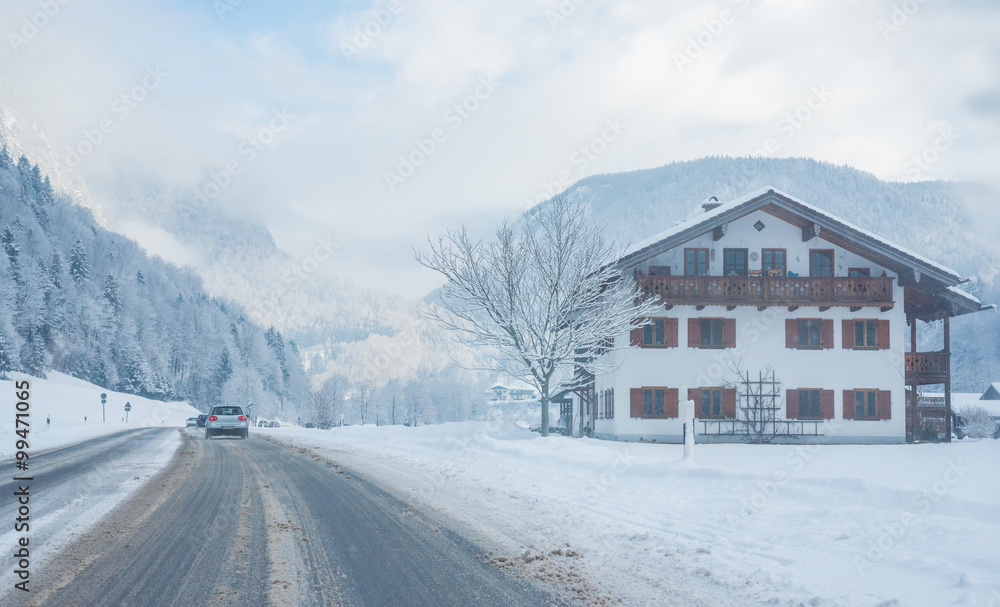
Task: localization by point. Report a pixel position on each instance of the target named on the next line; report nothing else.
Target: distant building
(503, 393)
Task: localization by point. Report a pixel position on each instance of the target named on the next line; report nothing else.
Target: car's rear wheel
(246, 433)
(208, 435)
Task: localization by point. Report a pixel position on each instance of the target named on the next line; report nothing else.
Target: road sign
(128, 406)
(104, 399)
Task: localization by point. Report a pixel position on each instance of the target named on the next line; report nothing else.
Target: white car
(192, 421)
(227, 420)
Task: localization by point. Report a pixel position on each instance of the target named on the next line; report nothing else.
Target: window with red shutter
(791, 333)
(826, 404)
(884, 399)
(671, 407)
(791, 404)
(826, 333)
(671, 328)
(882, 340)
(729, 333)
(635, 337)
(635, 402)
(694, 332)
(848, 404)
(847, 339)
(729, 403)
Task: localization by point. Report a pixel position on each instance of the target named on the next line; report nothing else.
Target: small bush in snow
(977, 422)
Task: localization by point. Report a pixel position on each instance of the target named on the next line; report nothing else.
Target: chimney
(711, 204)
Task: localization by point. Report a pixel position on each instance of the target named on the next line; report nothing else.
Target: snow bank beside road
(67, 400)
(820, 525)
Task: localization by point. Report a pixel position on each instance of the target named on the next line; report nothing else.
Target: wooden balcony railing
(926, 367)
(769, 290)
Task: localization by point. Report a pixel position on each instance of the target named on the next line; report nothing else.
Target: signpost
(104, 399)
(687, 414)
(128, 407)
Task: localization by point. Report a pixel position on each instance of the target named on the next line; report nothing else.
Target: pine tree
(10, 246)
(33, 354)
(6, 360)
(79, 268)
(56, 270)
(139, 278)
(113, 295)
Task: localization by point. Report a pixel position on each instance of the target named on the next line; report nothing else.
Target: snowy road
(234, 522)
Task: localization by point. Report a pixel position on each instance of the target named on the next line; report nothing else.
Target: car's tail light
(243, 418)
(213, 418)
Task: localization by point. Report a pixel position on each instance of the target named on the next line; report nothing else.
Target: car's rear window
(227, 411)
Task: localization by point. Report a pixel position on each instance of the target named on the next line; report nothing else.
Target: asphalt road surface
(234, 522)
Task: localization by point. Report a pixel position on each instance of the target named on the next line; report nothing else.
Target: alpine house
(782, 323)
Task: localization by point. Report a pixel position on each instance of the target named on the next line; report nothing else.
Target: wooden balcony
(764, 291)
(926, 368)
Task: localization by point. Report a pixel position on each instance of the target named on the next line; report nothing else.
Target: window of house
(711, 402)
(865, 334)
(610, 400)
(820, 263)
(658, 397)
(695, 262)
(809, 333)
(647, 402)
(865, 402)
(711, 332)
(659, 332)
(809, 404)
(773, 259)
(659, 270)
(734, 262)
(857, 272)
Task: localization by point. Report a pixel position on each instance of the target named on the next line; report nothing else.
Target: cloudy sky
(375, 124)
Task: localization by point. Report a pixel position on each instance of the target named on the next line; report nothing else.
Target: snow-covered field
(893, 525)
(66, 401)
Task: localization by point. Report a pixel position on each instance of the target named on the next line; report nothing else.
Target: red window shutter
(695, 395)
(635, 398)
(883, 403)
(729, 403)
(848, 337)
(635, 335)
(826, 403)
(791, 333)
(694, 332)
(670, 402)
(882, 334)
(729, 333)
(848, 404)
(826, 333)
(791, 404)
(671, 332)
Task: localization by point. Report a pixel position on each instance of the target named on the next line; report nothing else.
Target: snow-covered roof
(732, 209)
(960, 400)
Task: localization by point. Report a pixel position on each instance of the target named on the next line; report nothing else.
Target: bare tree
(328, 401)
(364, 400)
(546, 299)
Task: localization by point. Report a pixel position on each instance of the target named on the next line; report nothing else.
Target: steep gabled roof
(932, 281)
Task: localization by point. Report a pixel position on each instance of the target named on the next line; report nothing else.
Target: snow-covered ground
(60, 512)
(879, 525)
(66, 401)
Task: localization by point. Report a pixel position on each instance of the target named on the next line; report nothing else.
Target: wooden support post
(913, 335)
(947, 380)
